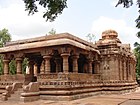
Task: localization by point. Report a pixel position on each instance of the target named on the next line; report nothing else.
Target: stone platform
(132, 98)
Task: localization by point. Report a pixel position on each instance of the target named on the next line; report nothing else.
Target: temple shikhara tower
(65, 67)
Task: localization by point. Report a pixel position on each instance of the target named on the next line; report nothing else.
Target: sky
(80, 18)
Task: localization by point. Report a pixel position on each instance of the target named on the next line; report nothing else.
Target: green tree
(4, 37)
(53, 8)
(90, 37)
(12, 67)
(137, 54)
(127, 4)
(24, 65)
(52, 32)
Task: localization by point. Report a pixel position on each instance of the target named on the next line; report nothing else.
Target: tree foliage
(53, 7)
(52, 32)
(90, 37)
(12, 67)
(24, 65)
(4, 37)
(127, 4)
(137, 54)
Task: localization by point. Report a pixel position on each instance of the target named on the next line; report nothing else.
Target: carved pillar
(6, 67)
(75, 64)
(47, 63)
(19, 65)
(35, 69)
(65, 57)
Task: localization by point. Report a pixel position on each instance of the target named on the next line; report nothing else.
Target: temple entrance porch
(52, 61)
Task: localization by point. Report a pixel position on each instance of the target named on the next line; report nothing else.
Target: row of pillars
(18, 66)
(47, 58)
(65, 57)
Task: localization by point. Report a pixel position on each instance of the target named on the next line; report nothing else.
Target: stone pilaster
(65, 57)
(47, 63)
(125, 76)
(75, 64)
(19, 65)
(120, 68)
(6, 67)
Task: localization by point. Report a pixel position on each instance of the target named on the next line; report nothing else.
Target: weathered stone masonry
(67, 67)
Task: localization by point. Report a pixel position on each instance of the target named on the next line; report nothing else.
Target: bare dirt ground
(122, 99)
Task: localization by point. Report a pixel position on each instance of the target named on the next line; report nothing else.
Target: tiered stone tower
(117, 60)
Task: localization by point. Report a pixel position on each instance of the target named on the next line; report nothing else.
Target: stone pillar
(65, 57)
(19, 65)
(47, 63)
(90, 66)
(120, 69)
(6, 67)
(75, 64)
(35, 69)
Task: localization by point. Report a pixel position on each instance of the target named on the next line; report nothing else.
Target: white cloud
(20, 25)
(126, 33)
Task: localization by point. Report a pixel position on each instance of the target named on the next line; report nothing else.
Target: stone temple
(65, 67)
